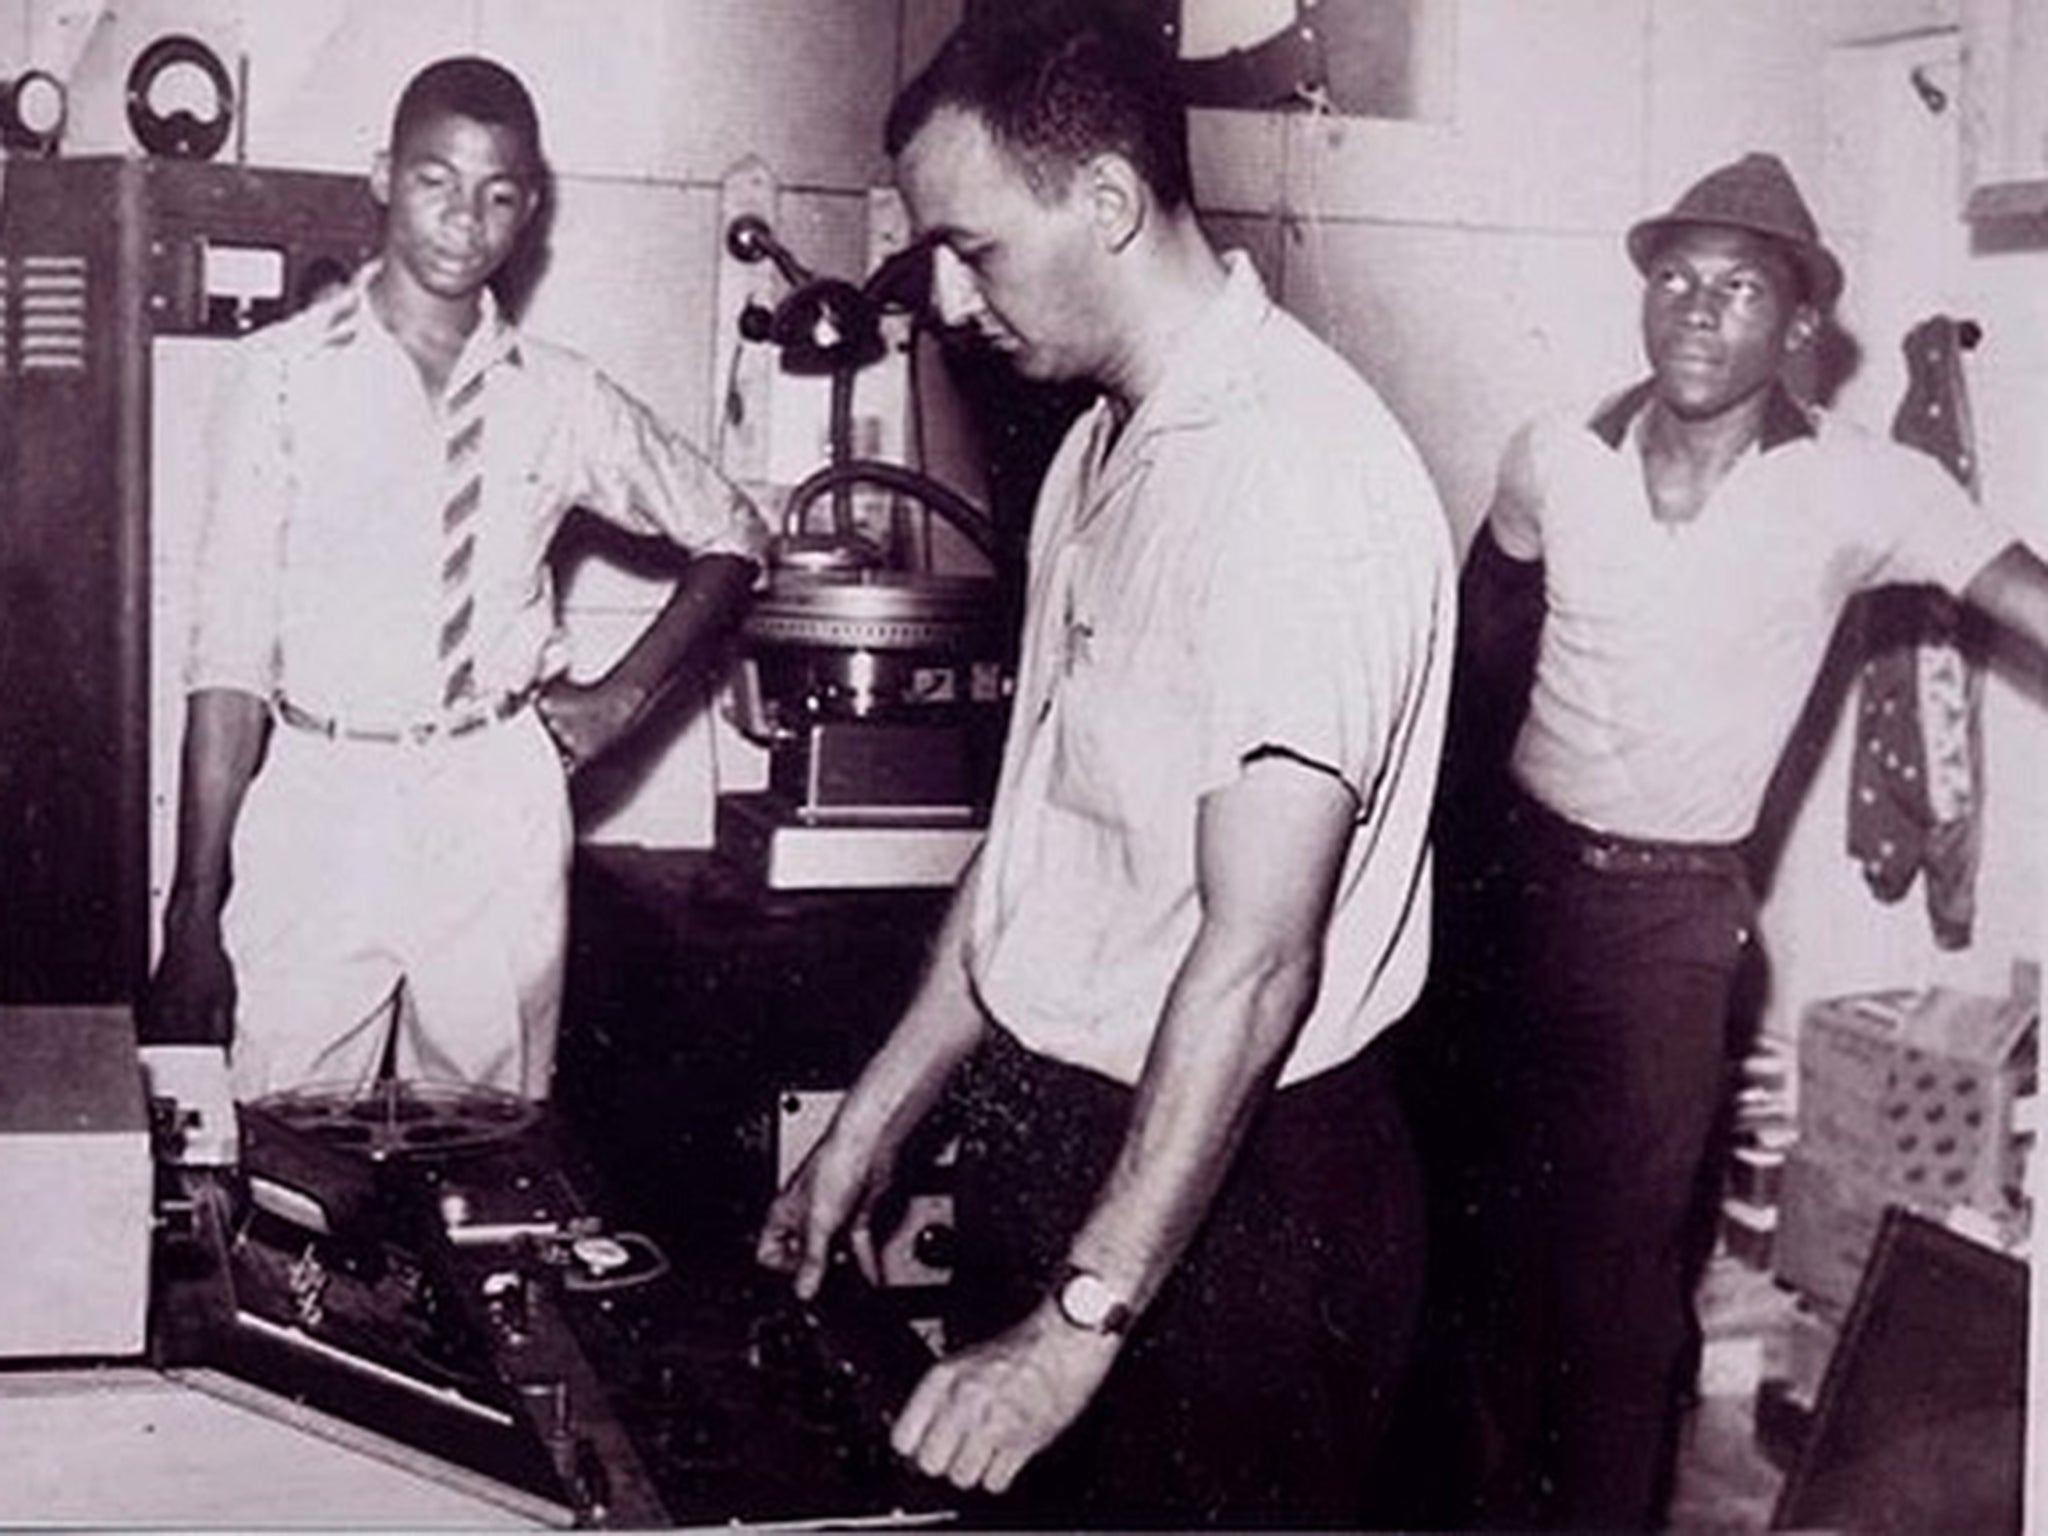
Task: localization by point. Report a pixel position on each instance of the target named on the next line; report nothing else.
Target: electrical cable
(974, 525)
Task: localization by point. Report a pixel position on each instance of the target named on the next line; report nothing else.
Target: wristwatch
(1089, 1302)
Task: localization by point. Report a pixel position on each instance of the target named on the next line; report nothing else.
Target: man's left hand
(978, 1417)
(585, 718)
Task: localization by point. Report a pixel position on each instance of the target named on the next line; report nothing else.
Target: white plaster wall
(1467, 332)
(1461, 264)
(1473, 268)
(1895, 176)
(645, 89)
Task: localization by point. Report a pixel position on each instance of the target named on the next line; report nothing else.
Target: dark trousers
(1254, 1390)
(1606, 1077)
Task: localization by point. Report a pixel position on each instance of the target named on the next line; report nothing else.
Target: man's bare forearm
(938, 1031)
(192, 994)
(224, 735)
(2013, 591)
(1228, 1027)
(1271, 848)
(685, 639)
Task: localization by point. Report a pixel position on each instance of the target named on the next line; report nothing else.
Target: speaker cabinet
(1921, 1421)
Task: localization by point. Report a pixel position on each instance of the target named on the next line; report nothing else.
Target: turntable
(878, 685)
(432, 1265)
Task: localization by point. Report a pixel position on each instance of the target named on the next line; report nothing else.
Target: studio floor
(1726, 1484)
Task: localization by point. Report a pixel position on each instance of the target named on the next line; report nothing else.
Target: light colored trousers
(415, 887)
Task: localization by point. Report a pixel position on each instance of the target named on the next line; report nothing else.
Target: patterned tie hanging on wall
(1916, 785)
(465, 480)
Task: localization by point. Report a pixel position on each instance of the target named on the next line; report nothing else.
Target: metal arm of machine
(750, 239)
(826, 325)
(972, 523)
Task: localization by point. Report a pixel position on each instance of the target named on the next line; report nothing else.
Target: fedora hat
(1755, 193)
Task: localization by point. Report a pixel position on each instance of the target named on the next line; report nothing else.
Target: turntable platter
(404, 1119)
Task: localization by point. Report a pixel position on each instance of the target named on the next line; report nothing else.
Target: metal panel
(101, 256)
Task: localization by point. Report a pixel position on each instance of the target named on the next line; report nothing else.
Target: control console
(440, 1271)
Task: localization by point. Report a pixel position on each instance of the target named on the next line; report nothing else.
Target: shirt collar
(1785, 420)
(1202, 364)
(495, 339)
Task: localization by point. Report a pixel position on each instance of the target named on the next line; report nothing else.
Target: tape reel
(404, 1119)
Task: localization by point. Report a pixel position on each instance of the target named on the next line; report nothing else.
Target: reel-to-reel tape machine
(433, 1266)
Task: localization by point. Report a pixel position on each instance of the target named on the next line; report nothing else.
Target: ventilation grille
(52, 308)
(6, 322)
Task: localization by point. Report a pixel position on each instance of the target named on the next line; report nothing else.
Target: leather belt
(502, 708)
(1609, 853)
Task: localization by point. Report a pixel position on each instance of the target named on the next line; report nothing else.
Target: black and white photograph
(1022, 765)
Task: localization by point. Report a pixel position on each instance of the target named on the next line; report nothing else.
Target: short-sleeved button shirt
(319, 571)
(1257, 562)
(1675, 657)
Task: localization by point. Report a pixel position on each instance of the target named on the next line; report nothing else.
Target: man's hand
(192, 995)
(833, 1190)
(978, 1417)
(586, 718)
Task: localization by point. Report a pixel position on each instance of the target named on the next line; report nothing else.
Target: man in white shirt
(1187, 1209)
(374, 833)
(1668, 568)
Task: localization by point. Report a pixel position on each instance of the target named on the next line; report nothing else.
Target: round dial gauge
(38, 107)
(180, 100)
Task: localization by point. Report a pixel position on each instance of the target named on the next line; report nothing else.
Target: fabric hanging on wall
(1916, 780)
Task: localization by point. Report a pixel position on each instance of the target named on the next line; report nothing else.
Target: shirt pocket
(1126, 732)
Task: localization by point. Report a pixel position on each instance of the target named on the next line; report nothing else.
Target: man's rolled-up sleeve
(642, 474)
(238, 569)
(1317, 646)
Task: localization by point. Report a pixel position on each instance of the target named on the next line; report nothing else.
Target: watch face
(1087, 1302)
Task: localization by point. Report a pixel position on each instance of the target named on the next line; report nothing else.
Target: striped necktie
(465, 480)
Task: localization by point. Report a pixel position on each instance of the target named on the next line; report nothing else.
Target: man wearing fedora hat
(1650, 596)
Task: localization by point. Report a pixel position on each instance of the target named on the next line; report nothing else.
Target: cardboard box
(1827, 1226)
(1915, 1090)
(74, 1184)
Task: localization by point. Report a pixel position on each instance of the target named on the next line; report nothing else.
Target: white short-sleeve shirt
(1676, 657)
(1257, 563)
(319, 572)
